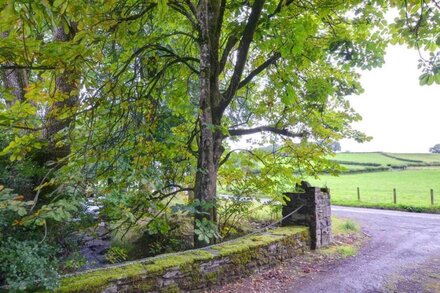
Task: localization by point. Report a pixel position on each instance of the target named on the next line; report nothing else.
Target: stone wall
(195, 269)
(315, 213)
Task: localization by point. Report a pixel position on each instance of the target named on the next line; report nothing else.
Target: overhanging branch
(283, 131)
(259, 69)
(17, 66)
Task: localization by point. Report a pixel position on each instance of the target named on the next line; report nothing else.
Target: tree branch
(230, 43)
(279, 7)
(16, 66)
(188, 14)
(243, 50)
(20, 127)
(138, 15)
(191, 7)
(284, 132)
(259, 69)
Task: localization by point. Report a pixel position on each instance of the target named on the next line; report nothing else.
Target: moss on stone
(179, 260)
(174, 288)
(245, 244)
(289, 231)
(212, 277)
(98, 280)
(248, 243)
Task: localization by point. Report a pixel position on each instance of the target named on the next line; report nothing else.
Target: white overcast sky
(400, 115)
(397, 112)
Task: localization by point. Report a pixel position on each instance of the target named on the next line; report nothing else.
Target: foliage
(342, 226)
(233, 212)
(168, 233)
(28, 264)
(417, 27)
(27, 259)
(116, 254)
(74, 262)
(206, 230)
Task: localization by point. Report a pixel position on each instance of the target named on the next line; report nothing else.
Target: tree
(295, 107)
(336, 146)
(203, 64)
(435, 149)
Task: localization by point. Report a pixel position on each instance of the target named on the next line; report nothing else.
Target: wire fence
(410, 197)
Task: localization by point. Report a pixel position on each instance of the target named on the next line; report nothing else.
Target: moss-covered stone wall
(194, 269)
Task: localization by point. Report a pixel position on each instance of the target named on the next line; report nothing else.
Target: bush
(27, 265)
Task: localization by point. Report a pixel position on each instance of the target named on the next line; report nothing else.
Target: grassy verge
(347, 239)
(388, 206)
(343, 226)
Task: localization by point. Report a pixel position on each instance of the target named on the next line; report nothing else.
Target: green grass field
(376, 188)
(368, 158)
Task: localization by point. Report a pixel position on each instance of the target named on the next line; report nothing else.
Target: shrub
(28, 264)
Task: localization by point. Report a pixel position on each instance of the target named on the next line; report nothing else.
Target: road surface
(402, 255)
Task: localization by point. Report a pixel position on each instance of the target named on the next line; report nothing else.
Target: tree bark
(65, 85)
(210, 139)
(14, 80)
(212, 102)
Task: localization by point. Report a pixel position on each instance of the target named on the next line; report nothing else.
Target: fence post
(394, 196)
(432, 196)
(359, 194)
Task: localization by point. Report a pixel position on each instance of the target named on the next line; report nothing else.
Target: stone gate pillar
(315, 213)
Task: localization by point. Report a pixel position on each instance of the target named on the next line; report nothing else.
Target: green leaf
(423, 79)
(437, 78)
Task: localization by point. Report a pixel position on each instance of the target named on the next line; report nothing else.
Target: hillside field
(379, 161)
(413, 176)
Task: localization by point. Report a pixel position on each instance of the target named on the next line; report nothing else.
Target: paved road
(402, 255)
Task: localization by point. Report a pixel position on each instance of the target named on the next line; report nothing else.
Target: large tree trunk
(66, 85)
(210, 140)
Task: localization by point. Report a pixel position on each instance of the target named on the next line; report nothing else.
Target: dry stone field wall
(195, 269)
